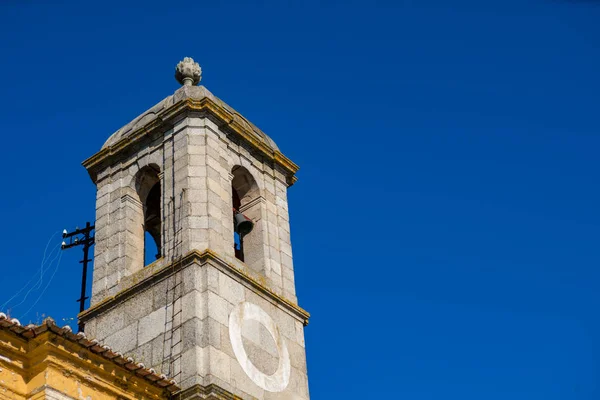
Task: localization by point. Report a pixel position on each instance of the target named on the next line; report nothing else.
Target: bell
(243, 225)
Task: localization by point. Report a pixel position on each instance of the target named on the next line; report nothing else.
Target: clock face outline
(278, 381)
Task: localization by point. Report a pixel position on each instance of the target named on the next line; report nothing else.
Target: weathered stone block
(230, 290)
(124, 340)
(151, 326)
(196, 332)
(219, 364)
(219, 308)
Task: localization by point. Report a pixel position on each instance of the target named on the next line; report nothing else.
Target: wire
(44, 259)
(47, 284)
(39, 282)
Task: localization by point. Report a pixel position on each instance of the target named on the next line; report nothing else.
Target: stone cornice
(164, 271)
(232, 121)
(209, 392)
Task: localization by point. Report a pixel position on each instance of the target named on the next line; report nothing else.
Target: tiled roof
(32, 330)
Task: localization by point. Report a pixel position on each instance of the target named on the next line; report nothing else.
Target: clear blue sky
(446, 223)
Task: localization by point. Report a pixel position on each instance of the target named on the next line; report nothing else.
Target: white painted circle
(248, 311)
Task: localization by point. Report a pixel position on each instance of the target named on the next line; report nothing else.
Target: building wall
(202, 349)
(52, 367)
(199, 314)
(195, 160)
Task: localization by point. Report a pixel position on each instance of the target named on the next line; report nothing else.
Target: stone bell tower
(219, 318)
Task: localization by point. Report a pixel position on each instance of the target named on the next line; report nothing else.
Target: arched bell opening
(237, 242)
(152, 225)
(148, 188)
(247, 226)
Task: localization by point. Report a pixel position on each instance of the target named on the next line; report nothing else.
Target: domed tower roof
(184, 93)
(188, 99)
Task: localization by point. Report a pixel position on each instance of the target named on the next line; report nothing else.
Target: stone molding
(209, 392)
(130, 199)
(206, 105)
(203, 258)
(249, 205)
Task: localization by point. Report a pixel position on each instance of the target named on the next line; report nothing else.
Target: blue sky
(446, 220)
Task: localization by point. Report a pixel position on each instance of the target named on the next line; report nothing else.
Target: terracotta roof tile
(32, 330)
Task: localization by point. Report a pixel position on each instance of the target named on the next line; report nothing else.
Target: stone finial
(188, 72)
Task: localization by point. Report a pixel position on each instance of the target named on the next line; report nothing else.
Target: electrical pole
(86, 241)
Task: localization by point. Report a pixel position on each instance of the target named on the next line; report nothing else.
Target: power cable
(39, 283)
(47, 284)
(44, 259)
